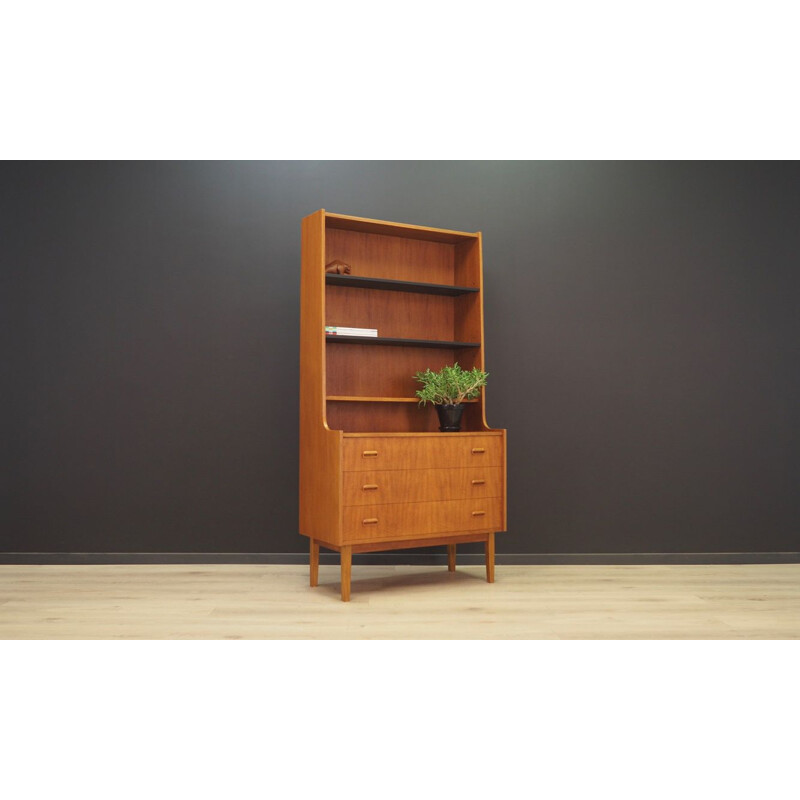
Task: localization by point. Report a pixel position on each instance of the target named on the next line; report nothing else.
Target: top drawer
(423, 452)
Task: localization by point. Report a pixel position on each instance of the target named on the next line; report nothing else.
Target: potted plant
(447, 389)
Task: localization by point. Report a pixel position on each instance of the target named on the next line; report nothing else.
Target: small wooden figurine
(338, 267)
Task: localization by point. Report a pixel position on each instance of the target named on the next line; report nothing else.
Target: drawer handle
(370, 521)
(478, 449)
(478, 513)
(368, 487)
(369, 453)
(478, 482)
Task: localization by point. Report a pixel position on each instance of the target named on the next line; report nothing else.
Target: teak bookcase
(375, 473)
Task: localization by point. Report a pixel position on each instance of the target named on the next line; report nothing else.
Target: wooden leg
(490, 558)
(347, 558)
(314, 562)
(451, 558)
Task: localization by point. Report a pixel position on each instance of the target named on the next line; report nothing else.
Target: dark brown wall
(642, 333)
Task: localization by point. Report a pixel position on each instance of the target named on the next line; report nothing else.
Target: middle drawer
(375, 487)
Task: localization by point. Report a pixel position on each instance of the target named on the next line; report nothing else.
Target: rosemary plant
(450, 385)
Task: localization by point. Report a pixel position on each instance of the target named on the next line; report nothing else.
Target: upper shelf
(385, 340)
(403, 230)
(387, 284)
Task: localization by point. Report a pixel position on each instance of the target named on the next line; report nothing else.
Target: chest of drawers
(394, 491)
(421, 486)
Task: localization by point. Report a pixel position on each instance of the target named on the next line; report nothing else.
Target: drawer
(421, 452)
(376, 487)
(414, 520)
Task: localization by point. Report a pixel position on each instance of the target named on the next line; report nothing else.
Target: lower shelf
(340, 398)
(391, 416)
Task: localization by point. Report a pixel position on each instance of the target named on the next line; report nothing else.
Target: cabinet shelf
(390, 285)
(391, 342)
(339, 398)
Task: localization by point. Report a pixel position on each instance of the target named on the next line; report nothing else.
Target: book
(340, 330)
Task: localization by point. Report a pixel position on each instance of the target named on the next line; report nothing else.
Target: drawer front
(414, 520)
(419, 485)
(426, 452)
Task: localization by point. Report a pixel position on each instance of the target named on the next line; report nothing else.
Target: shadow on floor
(435, 576)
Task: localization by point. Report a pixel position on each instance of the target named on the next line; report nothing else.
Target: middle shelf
(393, 342)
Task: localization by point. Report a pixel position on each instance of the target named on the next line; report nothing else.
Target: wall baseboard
(397, 558)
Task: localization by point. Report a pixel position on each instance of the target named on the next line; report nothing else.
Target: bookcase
(375, 472)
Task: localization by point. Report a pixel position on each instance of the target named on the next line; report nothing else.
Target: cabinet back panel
(467, 265)
(395, 314)
(394, 417)
(379, 371)
(379, 256)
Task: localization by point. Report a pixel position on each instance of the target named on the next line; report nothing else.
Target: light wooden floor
(400, 602)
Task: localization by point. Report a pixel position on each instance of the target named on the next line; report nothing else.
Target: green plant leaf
(450, 385)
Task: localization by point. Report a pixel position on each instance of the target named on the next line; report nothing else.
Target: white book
(337, 330)
(347, 328)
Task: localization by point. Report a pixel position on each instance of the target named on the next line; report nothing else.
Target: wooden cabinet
(375, 473)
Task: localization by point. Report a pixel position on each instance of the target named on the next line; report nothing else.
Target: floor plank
(230, 601)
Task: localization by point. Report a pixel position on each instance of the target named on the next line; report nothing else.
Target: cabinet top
(364, 225)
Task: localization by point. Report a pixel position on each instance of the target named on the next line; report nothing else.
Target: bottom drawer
(414, 520)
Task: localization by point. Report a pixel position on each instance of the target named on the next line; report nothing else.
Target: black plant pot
(450, 417)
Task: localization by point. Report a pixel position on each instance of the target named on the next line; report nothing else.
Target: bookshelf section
(420, 289)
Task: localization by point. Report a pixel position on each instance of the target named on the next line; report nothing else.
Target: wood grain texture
(346, 555)
(375, 487)
(313, 562)
(428, 541)
(490, 558)
(359, 369)
(469, 316)
(394, 285)
(451, 557)
(394, 257)
(382, 417)
(424, 452)
(353, 369)
(320, 448)
(395, 520)
(400, 315)
(450, 486)
(257, 601)
(364, 399)
(401, 418)
(407, 232)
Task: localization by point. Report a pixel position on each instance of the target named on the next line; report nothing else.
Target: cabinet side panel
(469, 271)
(505, 480)
(320, 448)
(469, 308)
